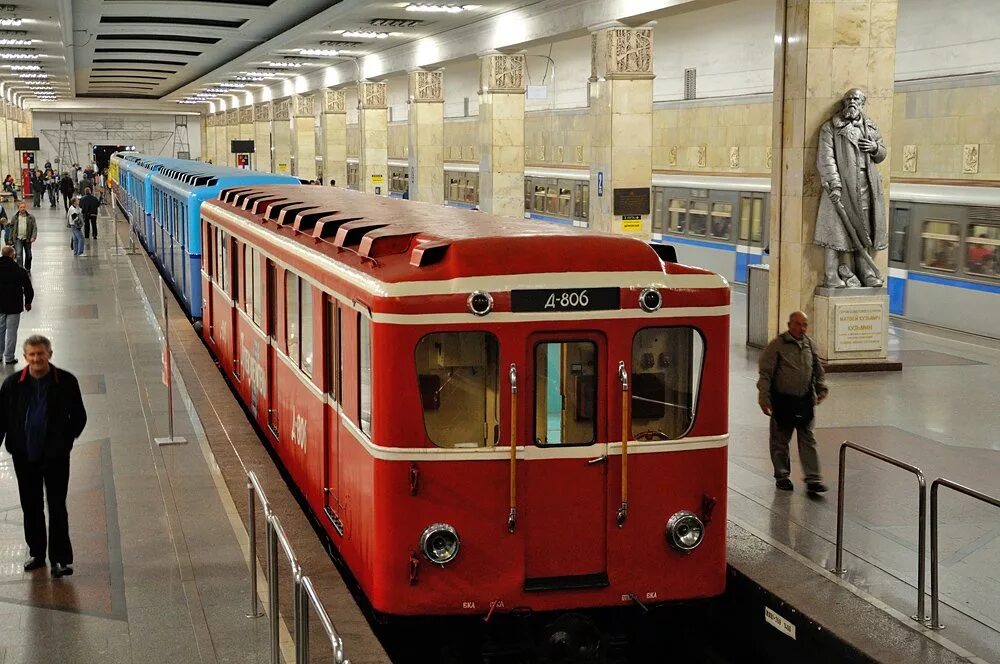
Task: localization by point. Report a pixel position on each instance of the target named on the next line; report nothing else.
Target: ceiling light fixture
(32, 75)
(440, 9)
(252, 79)
(233, 86)
(19, 56)
(283, 65)
(16, 42)
(25, 67)
(10, 22)
(321, 52)
(362, 34)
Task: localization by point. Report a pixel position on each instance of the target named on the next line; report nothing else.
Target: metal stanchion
(255, 611)
(171, 439)
(272, 590)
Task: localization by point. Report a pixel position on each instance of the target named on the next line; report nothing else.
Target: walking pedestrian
(41, 415)
(790, 386)
(66, 188)
(74, 219)
(37, 188)
(51, 186)
(16, 295)
(24, 232)
(89, 206)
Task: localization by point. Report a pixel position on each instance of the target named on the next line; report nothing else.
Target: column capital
(426, 86)
(233, 116)
(501, 72)
(281, 109)
(303, 106)
(335, 101)
(246, 114)
(621, 52)
(371, 94)
(262, 112)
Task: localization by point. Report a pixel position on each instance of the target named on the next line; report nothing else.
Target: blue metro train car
(162, 197)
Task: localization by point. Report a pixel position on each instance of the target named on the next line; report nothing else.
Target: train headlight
(480, 303)
(685, 531)
(440, 543)
(650, 300)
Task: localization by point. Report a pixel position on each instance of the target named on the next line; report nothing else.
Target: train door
(751, 231)
(565, 475)
(236, 283)
(272, 330)
(211, 265)
(332, 465)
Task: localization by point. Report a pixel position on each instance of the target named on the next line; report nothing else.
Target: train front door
(565, 471)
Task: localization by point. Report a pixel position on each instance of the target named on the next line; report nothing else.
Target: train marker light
(650, 300)
(440, 543)
(480, 303)
(685, 531)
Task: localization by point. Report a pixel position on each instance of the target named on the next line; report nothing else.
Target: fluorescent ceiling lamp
(283, 65)
(16, 42)
(19, 56)
(32, 75)
(233, 86)
(25, 68)
(322, 52)
(362, 34)
(440, 9)
(10, 22)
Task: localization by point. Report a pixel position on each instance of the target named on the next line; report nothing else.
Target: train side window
(899, 224)
(565, 393)
(698, 217)
(678, 215)
(658, 197)
(939, 245)
(248, 283)
(234, 248)
(272, 301)
(757, 219)
(722, 220)
(565, 199)
(306, 326)
(538, 199)
(365, 373)
(528, 189)
(982, 254)
(292, 316)
(744, 228)
(458, 374)
(332, 333)
(666, 375)
(209, 249)
(258, 290)
(583, 201)
(552, 200)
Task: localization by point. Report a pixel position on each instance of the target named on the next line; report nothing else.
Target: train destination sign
(564, 299)
(631, 200)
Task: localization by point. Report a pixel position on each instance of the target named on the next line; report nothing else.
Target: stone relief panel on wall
(262, 112)
(672, 155)
(579, 154)
(233, 117)
(282, 109)
(426, 86)
(702, 156)
(502, 73)
(970, 158)
(909, 158)
(734, 157)
(767, 158)
(303, 106)
(371, 94)
(622, 52)
(246, 115)
(335, 101)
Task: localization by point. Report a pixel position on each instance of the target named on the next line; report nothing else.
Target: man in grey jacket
(790, 385)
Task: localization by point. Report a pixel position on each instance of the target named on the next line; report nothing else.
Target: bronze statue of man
(851, 224)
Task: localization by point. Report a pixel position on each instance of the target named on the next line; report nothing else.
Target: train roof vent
(350, 235)
(328, 228)
(428, 253)
(287, 216)
(666, 252)
(386, 242)
(240, 197)
(252, 199)
(984, 213)
(306, 221)
(259, 206)
(274, 209)
(228, 194)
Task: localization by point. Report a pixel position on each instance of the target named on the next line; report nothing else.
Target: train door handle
(601, 459)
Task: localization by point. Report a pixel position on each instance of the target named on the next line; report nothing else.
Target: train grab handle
(623, 510)
(512, 516)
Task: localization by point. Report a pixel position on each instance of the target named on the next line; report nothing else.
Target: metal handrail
(972, 493)
(304, 592)
(922, 515)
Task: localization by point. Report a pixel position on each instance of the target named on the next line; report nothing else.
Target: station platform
(160, 531)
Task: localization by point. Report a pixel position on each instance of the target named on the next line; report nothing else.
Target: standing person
(89, 206)
(66, 188)
(41, 414)
(790, 386)
(24, 232)
(16, 295)
(74, 219)
(51, 186)
(37, 188)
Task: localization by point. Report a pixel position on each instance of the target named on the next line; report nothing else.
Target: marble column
(208, 146)
(221, 146)
(304, 133)
(426, 136)
(281, 136)
(824, 49)
(232, 134)
(501, 134)
(335, 137)
(203, 139)
(621, 112)
(262, 136)
(373, 127)
(6, 143)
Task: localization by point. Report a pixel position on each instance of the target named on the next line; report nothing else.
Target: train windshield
(666, 375)
(458, 374)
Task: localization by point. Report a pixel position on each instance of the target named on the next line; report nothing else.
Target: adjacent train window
(538, 204)
(365, 373)
(457, 374)
(565, 393)
(666, 374)
(757, 219)
(982, 254)
(565, 200)
(698, 217)
(722, 220)
(658, 211)
(744, 230)
(299, 322)
(581, 202)
(292, 316)
(678, 215)
(939, 245)
(272, 301)
(899, 224)
(332, 331)
(306, 326)
(258, 290)
(248, 283)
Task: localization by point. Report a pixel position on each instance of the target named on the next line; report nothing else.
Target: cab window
(457, 374)
(666, 375)
(565, 393)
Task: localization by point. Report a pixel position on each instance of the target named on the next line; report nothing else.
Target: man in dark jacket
(16, 295)
(41, 414)
(66, 188)
(89, 206)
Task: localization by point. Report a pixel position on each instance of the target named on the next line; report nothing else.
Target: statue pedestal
(851, 329)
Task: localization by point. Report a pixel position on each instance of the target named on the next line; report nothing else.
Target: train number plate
(564, 299)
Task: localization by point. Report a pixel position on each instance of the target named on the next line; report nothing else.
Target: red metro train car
(484, 413)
